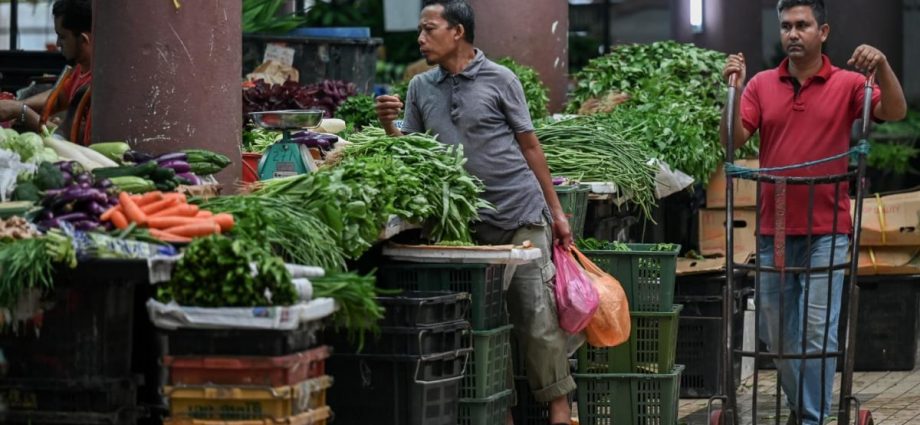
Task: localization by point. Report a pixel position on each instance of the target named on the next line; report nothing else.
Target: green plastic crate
(487, 373)
(647, 276)
(628, 398)
(484, 283)
(651, 347)
(574, 200)
(484, 411)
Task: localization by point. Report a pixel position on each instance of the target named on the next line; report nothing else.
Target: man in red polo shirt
(805, 109)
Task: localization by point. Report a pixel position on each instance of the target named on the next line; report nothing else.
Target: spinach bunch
(677, 92)
(357, 111)
(219, 272)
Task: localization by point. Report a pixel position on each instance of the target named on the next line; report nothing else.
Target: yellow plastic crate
(249, 402)
(318, 416)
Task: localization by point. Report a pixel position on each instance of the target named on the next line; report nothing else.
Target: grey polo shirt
(482, 108)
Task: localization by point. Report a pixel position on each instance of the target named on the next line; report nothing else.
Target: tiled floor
(892, 397)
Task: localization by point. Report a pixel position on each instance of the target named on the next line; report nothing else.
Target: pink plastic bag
(576, 296)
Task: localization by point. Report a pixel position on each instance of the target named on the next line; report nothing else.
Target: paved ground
(892, 397)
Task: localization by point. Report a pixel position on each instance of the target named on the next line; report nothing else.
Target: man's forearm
(37, 102)
(892, 106)
(536, 160)
(392, 130)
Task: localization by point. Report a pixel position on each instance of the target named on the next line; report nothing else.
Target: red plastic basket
(247, 370)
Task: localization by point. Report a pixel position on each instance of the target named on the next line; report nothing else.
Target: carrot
(119, 219)
(132, 211)
(177, 195)
(202, 228)
(181, 210)
(148, 198)
(225, 221)
(108, 213)
(159, 205)
(161, 223)
(204, 214)
(168, 237)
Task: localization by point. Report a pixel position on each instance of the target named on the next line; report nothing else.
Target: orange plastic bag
(611, 324)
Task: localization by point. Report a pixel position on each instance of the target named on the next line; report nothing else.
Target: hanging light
(696, 16)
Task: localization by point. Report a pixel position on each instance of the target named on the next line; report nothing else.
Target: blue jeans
(792, 313)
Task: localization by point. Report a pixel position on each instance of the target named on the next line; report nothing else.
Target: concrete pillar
(167, 79)
(878, 23)
(729, 26)
(534, 33)
(911, 73)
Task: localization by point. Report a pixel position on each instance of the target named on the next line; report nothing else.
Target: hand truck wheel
(715, 418)
(865, 418)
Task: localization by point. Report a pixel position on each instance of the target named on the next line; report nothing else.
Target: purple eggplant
(178, 156)
(104, 184)
(72, 217)
(85, 225)
(190, 177)
(84, 178)
(95, 208)
(177, 165)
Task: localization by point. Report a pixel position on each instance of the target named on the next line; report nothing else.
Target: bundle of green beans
(356, 297)
(29, 263)
(593, 148)
(279, 222)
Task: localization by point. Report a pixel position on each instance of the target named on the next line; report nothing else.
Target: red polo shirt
(796, 126)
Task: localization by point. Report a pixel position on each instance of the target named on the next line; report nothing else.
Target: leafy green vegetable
(893, 144)
(263, 16)
(414, 177)
(258, 140)
(591, 244)
(535, 91)
(216, 272)
(280, 223)
(355, 295)
(677, 92)
(358, 111)
(29, 263)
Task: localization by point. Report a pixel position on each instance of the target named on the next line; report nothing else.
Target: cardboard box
(712, 233)
(896, 260)
(896, 223)
(691, 266)
(745, 191)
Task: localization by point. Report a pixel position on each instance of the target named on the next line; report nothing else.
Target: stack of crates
(485, 391)
(247, 377)
(411, 373)
(637, 381)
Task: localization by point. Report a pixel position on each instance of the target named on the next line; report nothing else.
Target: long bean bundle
(592, 149)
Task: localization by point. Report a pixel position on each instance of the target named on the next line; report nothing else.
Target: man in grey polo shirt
(471, 101)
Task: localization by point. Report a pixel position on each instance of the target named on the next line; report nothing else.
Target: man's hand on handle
(735, 65)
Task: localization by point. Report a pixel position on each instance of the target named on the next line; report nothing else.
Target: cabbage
(29, 146)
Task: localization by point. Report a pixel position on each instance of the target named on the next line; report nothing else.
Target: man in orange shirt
(73, 25)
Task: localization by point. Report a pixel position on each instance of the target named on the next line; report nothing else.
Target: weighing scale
(286, 158)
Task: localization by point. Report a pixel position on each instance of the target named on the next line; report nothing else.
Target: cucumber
(162, 173)
(202, 155)
(139, 170)
(205, 168)
(133, 184)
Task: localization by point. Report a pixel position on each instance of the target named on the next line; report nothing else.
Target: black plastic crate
(242, 342)
(484, 283)
(420, 308)
(699, 349)
(420, 340)
(98, 395)
(407, 390)
(887, 326)
(85, 331)
(127, 416)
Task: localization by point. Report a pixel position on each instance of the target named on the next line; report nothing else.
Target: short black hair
(76, 15)
(817, 8)
(457, 12)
